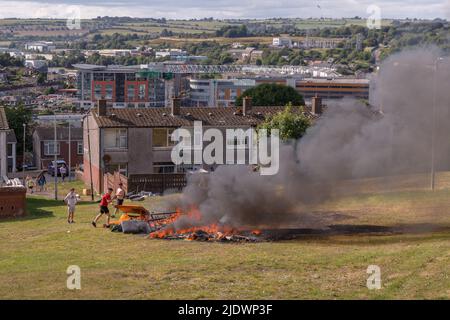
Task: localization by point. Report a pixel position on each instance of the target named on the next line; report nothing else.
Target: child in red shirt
(106, 199)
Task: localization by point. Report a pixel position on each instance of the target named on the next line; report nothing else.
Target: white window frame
(169, 143)
(80, 151)
(47, 148)
(120, 138)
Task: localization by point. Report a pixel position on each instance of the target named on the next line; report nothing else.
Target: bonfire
(168, 229)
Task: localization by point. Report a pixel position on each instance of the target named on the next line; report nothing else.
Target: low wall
(12, 202)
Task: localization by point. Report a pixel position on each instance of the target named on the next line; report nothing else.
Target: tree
(42, 77)
(291, 122)
(50, 90)
(16, 118)
(272, 94)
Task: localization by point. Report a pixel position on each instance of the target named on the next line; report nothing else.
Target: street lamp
(23, 157)
(433, 128)
(434, 67)
(55, 153)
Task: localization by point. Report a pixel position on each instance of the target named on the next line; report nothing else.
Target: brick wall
(12, 202)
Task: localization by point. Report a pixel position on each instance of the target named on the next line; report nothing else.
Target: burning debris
(201, 235)
(167, 229)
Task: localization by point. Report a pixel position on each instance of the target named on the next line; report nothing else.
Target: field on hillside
(414, 258)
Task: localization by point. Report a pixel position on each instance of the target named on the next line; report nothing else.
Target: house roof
(62, 133)
(162, 117)
(3, 121)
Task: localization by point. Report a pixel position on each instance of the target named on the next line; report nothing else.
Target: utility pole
(90, 159)
(23, 157)
(55, 165)
(70, 154)
(433, 128)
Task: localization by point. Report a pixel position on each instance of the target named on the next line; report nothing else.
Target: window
(80, 147)
(49, 148)
(98, 91)
(109, 91)
(130, 92)
(122, 168)
(141, 91)
(116, 138)
(162, 137)
(10, 150)
(239, 141)
(163, 167)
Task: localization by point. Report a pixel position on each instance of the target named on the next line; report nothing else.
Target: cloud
(225, 8)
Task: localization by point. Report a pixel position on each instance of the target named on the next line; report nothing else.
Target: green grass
(35, 252)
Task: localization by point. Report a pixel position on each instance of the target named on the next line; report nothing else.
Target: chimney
(246, 105)
(316, 106)
(175, 106)
(101, 107)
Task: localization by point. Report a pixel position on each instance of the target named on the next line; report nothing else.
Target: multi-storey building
(218, 92)
(40, 46)
(333, 88)
(282, 42)
(125, 86)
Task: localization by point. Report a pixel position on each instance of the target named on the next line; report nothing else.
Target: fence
(156, 183)
(112, 181)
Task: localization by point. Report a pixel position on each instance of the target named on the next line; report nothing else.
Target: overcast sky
(225, 8)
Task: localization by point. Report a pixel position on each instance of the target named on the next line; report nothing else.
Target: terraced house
(134, 142)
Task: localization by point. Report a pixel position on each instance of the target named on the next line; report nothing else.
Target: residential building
(320, 43)
(284, 42)
(12, 52)
(7, 145)
(11, 144)
(39, 65)
(44, 146)
(37, 56)
(118, 52)
(217, 92)
(137, 141)
(173, 54)
(124, 86)
(247, 55)
(336, 88)
(40, 46)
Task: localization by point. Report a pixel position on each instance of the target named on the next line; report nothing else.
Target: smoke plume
(409, 97)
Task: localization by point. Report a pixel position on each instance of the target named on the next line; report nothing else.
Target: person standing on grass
(63, 171)
(106, 200)
(41, 182)
(30, 184)
(71, 200)
(120, 196)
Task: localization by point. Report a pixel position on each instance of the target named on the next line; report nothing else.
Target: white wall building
(285, 42)
(218, 92)
(40, 46)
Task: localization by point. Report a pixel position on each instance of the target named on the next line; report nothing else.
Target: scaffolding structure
(253, 69)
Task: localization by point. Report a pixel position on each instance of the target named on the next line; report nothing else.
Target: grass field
(36, 251)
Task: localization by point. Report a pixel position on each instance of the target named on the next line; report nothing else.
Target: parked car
(51, 167)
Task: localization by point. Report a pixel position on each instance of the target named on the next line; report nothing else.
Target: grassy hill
(413, 258)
